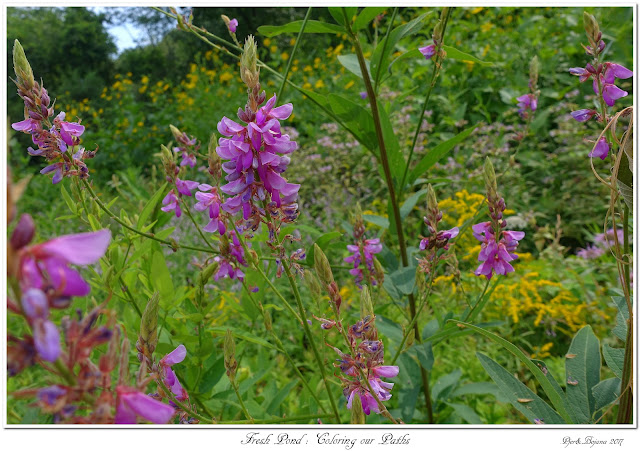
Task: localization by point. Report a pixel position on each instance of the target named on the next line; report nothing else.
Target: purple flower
(175, 356)
(613, 71)
(171, 203)
(35, 304)
(233, 25)
(527, 102)
(53, 257)
(428, 51)
(257, 156)
(495, 256)
(51, 395)
(601, 149)
(583, 73)
(57, 167)
(611, 93)
(363, 95)
(442, 237)
(231, 256)
(27, 126)
(132, 403)
(590, 252)
(210, 200)
(369, 248)
(583, 115)
(185, 186)
(170, 378)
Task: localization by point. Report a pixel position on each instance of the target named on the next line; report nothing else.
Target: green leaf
(280, 397)
(614, 358)
(366, 15)
(384, 49)
(357, 119)
(445, 385)
(350, 62)
(411, 202)
(150, 206)
(434, 155)
(240, 334)
(404, 279)
(312, 26)
(338, 15)
(476, 388)
(455, 54)
(160, 277)
(396, 160)
(377, 220)
(555, 397)
(212, 376)
(466, 413)
(515, 390)
(424, 352)
(606, 392)
(620, 330)
(95, 224)
(322, 242)
(583, 373)
(67, 198)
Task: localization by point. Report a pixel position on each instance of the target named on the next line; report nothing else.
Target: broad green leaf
(434, 155)
(312, 26)
(445, 385)
(377, 220)
(150, 206)
(384, 49)
(476, 388)
(160, 277)
(625, 179)
(614, 358)
(366, 15)
(389, 328)
(350, 62)
(212, 376)
(338, 14)
(575, 417)
(455, 54)
(466, 413)
(424, 352)
(515, 390)
(396, 160)
(241, 335)
(408, 397)
(620, 330)
(411, 202)
(358, 120)
(555, 397)
(583, 373)
(404, 279)
(414, 53)
(606, 392)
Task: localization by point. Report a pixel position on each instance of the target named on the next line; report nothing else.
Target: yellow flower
(319, 84)
(348, 85)
(225, 76)
(266, 42)
(284, 56)
(486, 26)
(476, 10)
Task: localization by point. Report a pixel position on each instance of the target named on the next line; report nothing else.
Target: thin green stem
(185, 408)
(625, 411)
(187, 210)
(68, 376)
(469, 316)
(244, 408)
(437, 65)
(312, 341)
(293, 52)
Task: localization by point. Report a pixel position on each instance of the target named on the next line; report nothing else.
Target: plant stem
(307, 331)
(180, 404)
(437, 64)
(386, 41)
(625, 410)
(293, 52)
(244, 408)
(68, 376)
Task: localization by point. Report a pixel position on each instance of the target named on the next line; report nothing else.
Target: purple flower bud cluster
(58, 144)
(368, 248)
(527, 103)
(436, 240)
(187, 148)
(363, 367)
(231, 258)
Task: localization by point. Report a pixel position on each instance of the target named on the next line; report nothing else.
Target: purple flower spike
(601, 149)
(175, 356)
(428, 51)
(495, 256)
(131, 403)
(233, 25)
(583, 115)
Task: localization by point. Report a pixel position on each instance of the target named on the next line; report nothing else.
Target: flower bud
(207, 272)
(439, 29)
(366, 306)
(249, 71)
(148, 337)
(230, 362)
(358, 223)
(322, 266)
(357, 414)
(378, 271)
(490, 178)
(534, 70)
(123, 374)
(215, 163)
(177, 134)
(591, 27)
(21, 67)
(23, 233)
(268, 324)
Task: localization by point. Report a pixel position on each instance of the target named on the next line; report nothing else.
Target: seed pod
(215, 164)
(378, 271)
(268, 324)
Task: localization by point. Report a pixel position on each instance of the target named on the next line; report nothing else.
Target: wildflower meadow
(343, 215)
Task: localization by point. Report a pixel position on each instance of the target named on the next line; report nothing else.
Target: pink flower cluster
(368, 248)
(495, 255)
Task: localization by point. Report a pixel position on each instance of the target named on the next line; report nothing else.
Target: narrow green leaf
(583, 373)
(280, 397)
(411, 202)
(366, 15)
(350, 62)
(445, 385)
(322, 242)
(338, 16)
(95, 224)
(396, 160)
(424, 353)
(212, 376)
(240, 334)
(313, 26)
(67, 198)
(606, 392)
(514, 390)
(150, 206)
(614, 358)
(377, 220)
(160, 277)
(466, 413)
(434, 155)
(455, 54)
(555, 397)
(358, 120)
(476, 388)
(404, 279)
